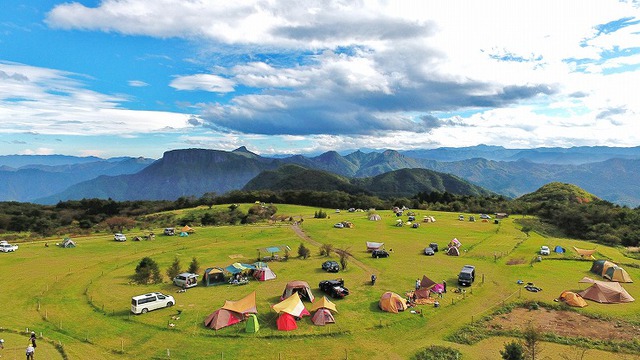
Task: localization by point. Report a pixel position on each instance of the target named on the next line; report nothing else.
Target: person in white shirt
(30, 352)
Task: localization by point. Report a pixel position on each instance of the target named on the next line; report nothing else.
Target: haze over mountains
(609, 173)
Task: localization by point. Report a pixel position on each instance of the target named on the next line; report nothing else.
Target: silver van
(186, 280)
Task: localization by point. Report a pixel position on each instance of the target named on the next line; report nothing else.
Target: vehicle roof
(188, 274)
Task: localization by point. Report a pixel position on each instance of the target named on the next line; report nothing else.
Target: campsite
(92, 281)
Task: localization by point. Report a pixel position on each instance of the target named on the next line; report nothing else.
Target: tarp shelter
(68, 243)
(426, 283)
(559, 249)
(600, 267)
(187, 229)
(392, 302)
(222, 318)
(292, 306)
(323, 302)
(264, 274)
(246, 305)
(605, 292)
(374, 246)
(213, 276)
(374, 217)
(453, 251)
(272, 251)
(300, 287)
(252, 324)
(572, 299)
(585, 254)
(322, 317)
(286, 322)
(616, 273)
(236, 268)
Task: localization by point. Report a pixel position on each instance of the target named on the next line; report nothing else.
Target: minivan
(186, 280)
(142, 304)
(467, 275)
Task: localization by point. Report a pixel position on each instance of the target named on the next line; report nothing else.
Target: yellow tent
(572, 299)
(585, 254)
(323, 303)
(616, 273)
(392, 302)
(242, 306)
(292, 306)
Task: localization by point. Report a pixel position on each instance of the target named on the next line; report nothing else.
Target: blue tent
(559, 249)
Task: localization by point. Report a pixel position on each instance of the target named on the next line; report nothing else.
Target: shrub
(303, 251)
(512, 351)
(326, 249)
(194, 267)
(437, 353)
(174, 269)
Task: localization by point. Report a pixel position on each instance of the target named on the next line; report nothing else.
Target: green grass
(80, 297)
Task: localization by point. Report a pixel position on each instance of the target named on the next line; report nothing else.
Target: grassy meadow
(79, 298)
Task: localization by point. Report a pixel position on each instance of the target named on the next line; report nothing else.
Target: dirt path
(301, 234)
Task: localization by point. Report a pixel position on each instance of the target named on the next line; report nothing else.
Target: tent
(264, 274)
(426, 283)
(616, 273)
(68, 243)
(184, 234)
(272, 250)
(286, 322)
(374, 246)
(605, 292)
(213, 276)
(455, 243)
(572, 299)
(600, 267)
(585, 254)
(187, 229)
(453, 251)
(375, 217)
(237, 268)
(252, 324)
(325, 303)
(559, 249)
(300, 287)
(222, 318)
(246, 305)
(392, 302)
(437, 288)
(322, 317)
(292, 306)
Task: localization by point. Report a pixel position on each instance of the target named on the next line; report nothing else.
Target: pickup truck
(6, 247)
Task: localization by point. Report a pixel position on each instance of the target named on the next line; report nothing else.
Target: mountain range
(611, 175)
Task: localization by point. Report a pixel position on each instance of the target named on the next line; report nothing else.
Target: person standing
(417, 284)
(33, 338)
(30, 352)
(444, 285)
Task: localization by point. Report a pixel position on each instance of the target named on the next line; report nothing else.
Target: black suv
(330, 266)
(335, 288)
(379, 253)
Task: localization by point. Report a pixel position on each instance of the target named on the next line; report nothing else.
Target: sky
(115, 78)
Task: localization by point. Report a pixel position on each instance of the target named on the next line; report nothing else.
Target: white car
(6, 247)
(338, 225)
(544, 250)
(119, 237)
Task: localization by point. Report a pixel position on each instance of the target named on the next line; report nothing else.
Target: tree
(532, 339)
(194, 267)
(512, 351)
(326, 249)
(147, 272)
(303, 251)
(174, 269)
(344, 257)
(209, 199)
(119, 223)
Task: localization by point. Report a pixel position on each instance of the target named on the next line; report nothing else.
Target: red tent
(221, 318)
(286, 322)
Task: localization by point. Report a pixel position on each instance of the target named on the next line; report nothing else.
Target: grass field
(79, 298)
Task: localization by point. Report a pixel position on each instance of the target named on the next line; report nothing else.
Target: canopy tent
(616, 273)
(325, 303)
(572, 299)
(292, 306)
(187, 229)
(559, 249)
(272, 251)
(600, 267)
(300, 287)
(374, 246)
(68, 243)
(222, 318)
(375, 217)
(213, 276)
(605, 292)
(286, 322)
(264, 274)
(252, 324)
(322, 317)
(246, 305)
(426, 283)
(236, 268)
(585, 254)
(453, 251)
(392, 302)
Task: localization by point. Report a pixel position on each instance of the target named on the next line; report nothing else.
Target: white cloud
(137, 83)
(204, 82)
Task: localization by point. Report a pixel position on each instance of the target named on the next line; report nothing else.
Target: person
(436, 304)
(30, 352)
(444, 285)
(417, 284)
(373, 279)
(33, 338)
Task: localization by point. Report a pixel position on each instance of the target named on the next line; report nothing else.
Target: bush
(174, 269)
(512, 351)
(326, 249)
(303, 251)
(437, 353)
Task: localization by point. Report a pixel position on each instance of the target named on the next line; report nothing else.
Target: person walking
(33, 338)
(30, 352)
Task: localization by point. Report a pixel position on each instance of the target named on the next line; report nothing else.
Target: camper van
(142, 304)
(467, 275)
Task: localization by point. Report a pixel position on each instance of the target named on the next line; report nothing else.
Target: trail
(301, 234)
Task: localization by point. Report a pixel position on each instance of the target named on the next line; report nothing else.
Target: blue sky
(137, 78)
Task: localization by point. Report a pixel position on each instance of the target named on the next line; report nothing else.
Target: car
(429, 251)
(331, 266)
(380, 253)
(467, 275)
(338, 225)
(119, 237)
(142, 304)
(461, 217)
(6, 247)
(186, 280)
(434, 246)
(544, 250)
(335, 288)
(485, 216)
(169, 231)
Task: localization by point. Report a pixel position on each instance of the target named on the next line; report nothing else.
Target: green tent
(252, 324)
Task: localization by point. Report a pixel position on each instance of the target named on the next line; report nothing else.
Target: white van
(141, 304)
(186, 280)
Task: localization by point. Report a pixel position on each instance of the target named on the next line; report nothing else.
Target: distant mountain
(30, 182)
(397, 183)
(18, 161)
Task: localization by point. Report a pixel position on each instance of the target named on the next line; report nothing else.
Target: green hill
(559, 192)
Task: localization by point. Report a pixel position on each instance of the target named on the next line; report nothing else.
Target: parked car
(169, 231)
(6, 247)
(335, 288)
(379, 253)
(338, 225)
(119, 237)
(467, 275)
(186, 280)
(461, 217)
(331, 266)
(485, 216)
(429, 251)
(544, 250)
(142, 304)
(434, 246)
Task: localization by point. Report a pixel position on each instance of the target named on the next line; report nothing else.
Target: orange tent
(392, 302)
(572, 299)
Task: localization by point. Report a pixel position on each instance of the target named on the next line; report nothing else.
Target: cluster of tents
(610, 271)
(216, 275)
(290, 309)
(604, 292)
